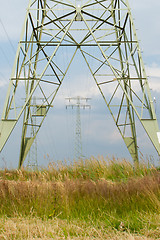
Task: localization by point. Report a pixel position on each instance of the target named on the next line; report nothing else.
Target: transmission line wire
(9, 40)
(5, 55)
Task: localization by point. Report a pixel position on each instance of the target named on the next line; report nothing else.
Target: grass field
(91, 199)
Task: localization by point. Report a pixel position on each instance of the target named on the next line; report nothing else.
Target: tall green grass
(110, 193)
(93, 169)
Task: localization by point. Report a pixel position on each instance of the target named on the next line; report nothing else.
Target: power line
(13, 49)
(10, 42)
(6, 57)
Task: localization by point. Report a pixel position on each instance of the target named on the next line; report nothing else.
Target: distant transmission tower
(32, 155)
(78, 137)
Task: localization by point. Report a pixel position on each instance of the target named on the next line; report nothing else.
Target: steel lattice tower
(106, 26)
(78, 136)
(32, 154)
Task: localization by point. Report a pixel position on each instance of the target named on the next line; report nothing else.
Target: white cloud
(154, 77)
(146, 18)
(153, 71)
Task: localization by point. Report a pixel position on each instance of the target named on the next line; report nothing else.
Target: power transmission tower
(32, 155)
(78, 137)
(102, 31)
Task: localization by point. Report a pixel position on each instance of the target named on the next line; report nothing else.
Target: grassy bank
(105, 196)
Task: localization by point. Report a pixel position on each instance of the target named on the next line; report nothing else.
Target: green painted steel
(104, 33)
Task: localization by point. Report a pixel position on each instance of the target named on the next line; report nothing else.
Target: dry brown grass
(35, 228)
(104, 188)
(91, 200)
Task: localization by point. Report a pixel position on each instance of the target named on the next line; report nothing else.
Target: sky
(55, 140)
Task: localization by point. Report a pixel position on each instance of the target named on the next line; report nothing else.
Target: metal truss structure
(32, 154)
(78, 103)
(103, 32)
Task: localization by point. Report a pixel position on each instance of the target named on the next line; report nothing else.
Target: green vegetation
(104, 194)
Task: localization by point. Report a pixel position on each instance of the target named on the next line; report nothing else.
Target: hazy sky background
(99, 134)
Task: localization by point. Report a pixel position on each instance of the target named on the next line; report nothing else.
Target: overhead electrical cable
(6, 57)
(9, 40)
